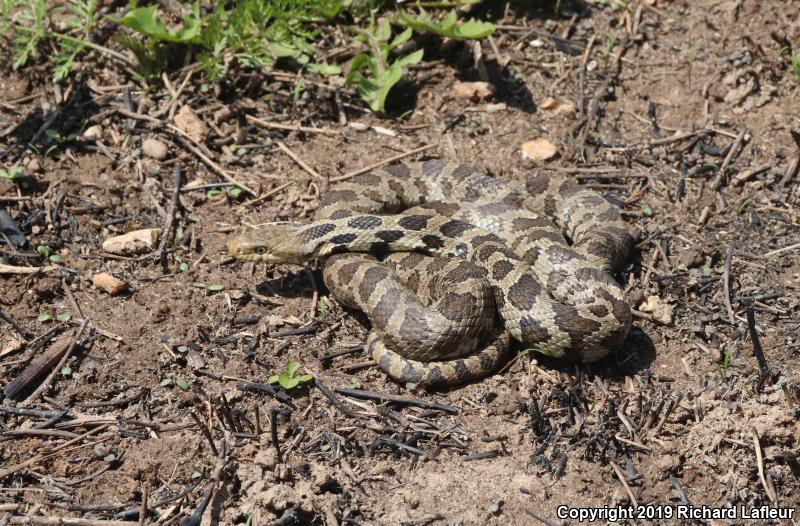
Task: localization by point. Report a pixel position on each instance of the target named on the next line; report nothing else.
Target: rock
(134, 242)
(660, 309)
(321, 477)
(93, 133)
(34, 166)
(190, 123)
(155, 149)
(474, 91)
(557, 107)
(107, 282)
(539, 150)
(691, 257)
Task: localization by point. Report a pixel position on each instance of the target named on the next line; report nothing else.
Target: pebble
(474, 91)
(155, 149)
(539, 150)
(93, 133)
(107, 282)
(691, 257)
(134, 242)
(190, 124)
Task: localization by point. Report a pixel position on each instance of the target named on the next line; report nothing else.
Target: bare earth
(648, 113)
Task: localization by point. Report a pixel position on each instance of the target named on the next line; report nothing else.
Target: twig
(299, 161)
(381, 163)
(757, 349)
(12, 269)
(747, 175)
(6, 318)
(624, 482)
(543, 520)
(670, 407)
(166, 230)
(760, 460)
(286, 127)
(264, 197)
(726, 285)
(33, 460)
(65, 521)
(273, 430)
(732, 154)
(46, 384)
(385, 397)
(781, 250)
(187, 141)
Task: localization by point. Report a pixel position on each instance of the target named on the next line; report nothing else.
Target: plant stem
(97, 47)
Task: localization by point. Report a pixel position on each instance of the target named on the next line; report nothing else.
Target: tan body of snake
(450, 265)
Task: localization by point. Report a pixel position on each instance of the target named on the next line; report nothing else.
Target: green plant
(722, 369)
(287, 379)
(795, 59)
(448, 26)
(11, 174)
(374, 74)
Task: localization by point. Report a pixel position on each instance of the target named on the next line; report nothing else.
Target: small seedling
(795, 58)
(66, 371)
(287, 379)
(449, 26)
(11, 174)
(375, 74)
(722, 370)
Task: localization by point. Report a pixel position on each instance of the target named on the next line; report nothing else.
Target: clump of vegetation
(256, 34)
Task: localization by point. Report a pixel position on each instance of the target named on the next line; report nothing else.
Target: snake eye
(261, 250)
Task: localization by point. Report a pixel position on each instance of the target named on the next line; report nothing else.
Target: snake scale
(450, 264)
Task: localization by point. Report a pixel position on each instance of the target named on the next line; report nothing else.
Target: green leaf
(292, 367)
(234, 192)
(287, 382)
(64, 316)
(66, 371)
(184, 267)
(182, 349)
(182, 383)
(216, 288)
(44, 250)
(647, 210)
(55, 258)
(111, 457)
(214, 192)
(166, 382)
(44, 317)
(273, 379)
(145, 20)
(13, 173)
(448, 26)
(325, 69)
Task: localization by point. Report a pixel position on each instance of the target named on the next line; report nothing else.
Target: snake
(452, 265)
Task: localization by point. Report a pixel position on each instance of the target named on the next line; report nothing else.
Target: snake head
(268, 244)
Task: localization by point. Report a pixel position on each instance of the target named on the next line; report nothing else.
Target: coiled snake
(502, 266)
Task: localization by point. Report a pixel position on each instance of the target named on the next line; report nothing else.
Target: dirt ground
(683, 112)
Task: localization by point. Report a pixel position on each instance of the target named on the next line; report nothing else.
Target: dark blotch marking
(316, 231)
(414, 222)
(524, 292)
(389, 235)
(337, 196)
(343, 239)
(536, 185)
(347, 271)
(463, 170)
(532, 331)
(398, 170)
(550, 205)
(599, 310)
(367, 179)
(339, 249)
(432, 242)
(454, 228)
(501, 269)
(364, 222)
(379, 249)
(456, 306)
(462, 371)
(433, 168)
(415, 326)
(340, 214)
(570, 321)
